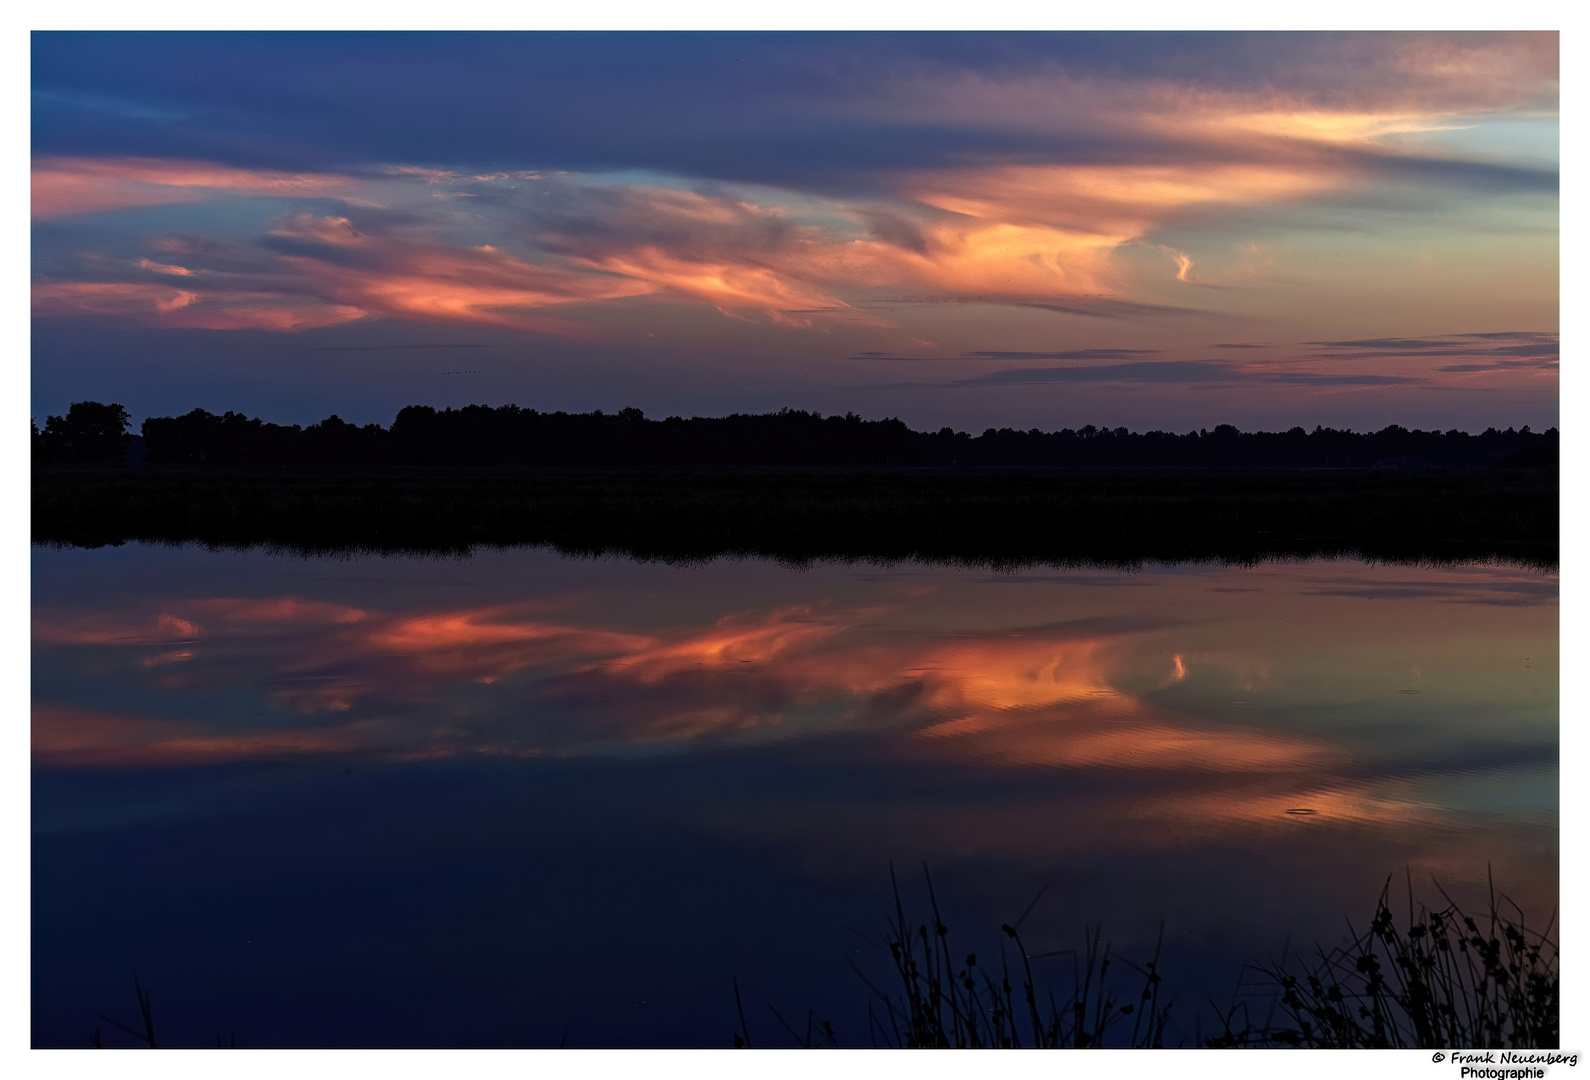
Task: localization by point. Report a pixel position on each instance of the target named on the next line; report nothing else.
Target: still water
(521, 799)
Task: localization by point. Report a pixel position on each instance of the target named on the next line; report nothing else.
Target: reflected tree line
(507, 435)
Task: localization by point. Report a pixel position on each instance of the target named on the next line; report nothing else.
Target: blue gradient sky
(1151, 229)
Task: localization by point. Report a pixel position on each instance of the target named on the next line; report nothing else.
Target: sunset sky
(1152, 230)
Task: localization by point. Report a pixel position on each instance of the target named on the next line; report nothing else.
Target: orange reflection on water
(480, 646)
(100, 630)
(732, 640)
(206, 618)
(1082, 738)
(1039, 699)
(69, 737)
(282, 609)
(1050, 699)
(1307, 803)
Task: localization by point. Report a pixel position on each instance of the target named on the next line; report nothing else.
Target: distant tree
(89, 432)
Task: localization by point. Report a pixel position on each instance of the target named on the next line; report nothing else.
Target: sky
(1156, 230)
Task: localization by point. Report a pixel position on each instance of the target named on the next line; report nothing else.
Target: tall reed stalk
(941, 999)
(1443, 979)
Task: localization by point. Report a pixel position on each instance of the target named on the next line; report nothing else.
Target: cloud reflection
(1107, 729)
(1048, 697)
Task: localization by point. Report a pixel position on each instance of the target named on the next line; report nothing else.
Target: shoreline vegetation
(1441, 979)
(792, 486)
(994, 517)
(508, 436)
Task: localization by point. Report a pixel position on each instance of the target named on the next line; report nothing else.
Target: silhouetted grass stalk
(938, 1002)
(1443, 980)
(1440, 981)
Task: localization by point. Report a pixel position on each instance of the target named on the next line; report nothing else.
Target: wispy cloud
(581, 241)
(70, 186)
(801, 183)
(1174, 371)
(990, 354)
(1166, 372)
(1496, 351)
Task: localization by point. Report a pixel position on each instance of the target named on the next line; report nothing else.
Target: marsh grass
(145, 1013)
(1442, 979)
(937, 997)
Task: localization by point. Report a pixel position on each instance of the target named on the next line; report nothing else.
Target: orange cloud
(480, 285)
(67, 186)
(1002, 234)
(1047, 233)
(1030, 233)
(164, 268)
(208, 310)
(402, 277)
(125, 299)
(725, 285)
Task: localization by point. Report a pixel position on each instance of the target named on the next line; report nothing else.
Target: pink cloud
(1009, 234)
(67, 186)
(123, 299)
(313, 284)
(1044, 233)
(207, 310)
(164, 268)
(431, 282)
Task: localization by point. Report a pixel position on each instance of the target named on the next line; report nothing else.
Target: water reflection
(1124, 690)
(1347, 717)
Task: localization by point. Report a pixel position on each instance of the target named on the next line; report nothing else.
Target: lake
(524, 799)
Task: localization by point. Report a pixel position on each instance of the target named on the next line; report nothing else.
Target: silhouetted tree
(89, 432)
(509, 436)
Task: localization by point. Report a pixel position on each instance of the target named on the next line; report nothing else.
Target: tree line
(509, 436)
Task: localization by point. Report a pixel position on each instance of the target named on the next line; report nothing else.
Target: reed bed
(938, 1001)
(1442, 979)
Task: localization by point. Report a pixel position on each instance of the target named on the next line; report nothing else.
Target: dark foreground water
(523, 799)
